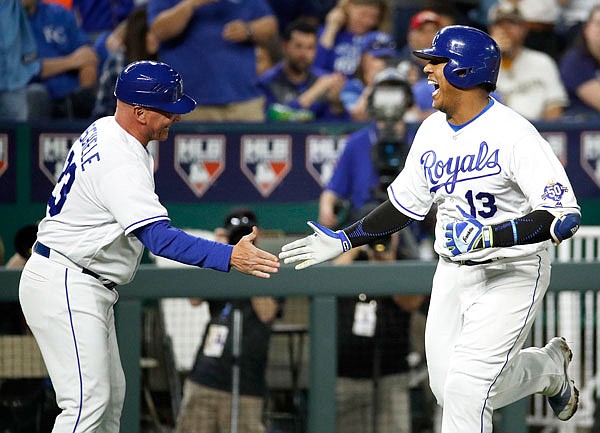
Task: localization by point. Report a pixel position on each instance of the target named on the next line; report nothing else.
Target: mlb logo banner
(199, 160)
(266, 160)
(322, 153)
(589, 155)
(53, 150)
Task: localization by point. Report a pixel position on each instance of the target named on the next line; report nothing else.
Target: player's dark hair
(299, 25)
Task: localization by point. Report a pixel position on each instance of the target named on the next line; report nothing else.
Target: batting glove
(324, 244)
(467, 235)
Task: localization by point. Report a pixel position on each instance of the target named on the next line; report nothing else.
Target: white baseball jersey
(105, 192)
(492, 172)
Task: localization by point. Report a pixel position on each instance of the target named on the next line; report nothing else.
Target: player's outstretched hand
(324, 244)
(467, 235)
(249, 259)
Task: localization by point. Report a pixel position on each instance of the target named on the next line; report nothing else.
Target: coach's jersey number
(485, 199)
(63, 186)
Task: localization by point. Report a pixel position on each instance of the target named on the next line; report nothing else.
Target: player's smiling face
(444, 94)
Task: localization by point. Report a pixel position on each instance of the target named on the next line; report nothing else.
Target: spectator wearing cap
(208, 391)
(378, 50)
(340, 38)
(296, 84)
(529, 80)
(422, 28)
(580, 70)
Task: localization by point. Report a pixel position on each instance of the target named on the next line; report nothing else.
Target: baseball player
(101, 214)
(501, 196)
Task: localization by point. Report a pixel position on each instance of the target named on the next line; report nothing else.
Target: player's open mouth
(436, 87)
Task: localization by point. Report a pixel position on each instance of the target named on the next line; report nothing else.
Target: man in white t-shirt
(529, 81)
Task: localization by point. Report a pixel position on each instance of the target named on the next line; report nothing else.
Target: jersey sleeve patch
(554, 192)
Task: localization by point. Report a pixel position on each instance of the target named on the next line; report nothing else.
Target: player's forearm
(382, 221)
(175, 244)
(537, 226)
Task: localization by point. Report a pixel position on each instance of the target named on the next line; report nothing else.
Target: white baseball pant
(71, 316)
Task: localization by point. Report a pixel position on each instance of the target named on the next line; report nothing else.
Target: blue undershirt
(175, 244)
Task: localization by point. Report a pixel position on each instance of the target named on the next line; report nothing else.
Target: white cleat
(564, 404)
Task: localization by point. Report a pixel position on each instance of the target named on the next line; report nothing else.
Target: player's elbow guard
(564, 226)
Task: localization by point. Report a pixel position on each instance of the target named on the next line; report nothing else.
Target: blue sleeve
(175, 244)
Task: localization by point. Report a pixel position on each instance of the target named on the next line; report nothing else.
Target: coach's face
(159, 122)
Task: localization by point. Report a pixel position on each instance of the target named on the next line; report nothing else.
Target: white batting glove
(464, 236)
(324, 244)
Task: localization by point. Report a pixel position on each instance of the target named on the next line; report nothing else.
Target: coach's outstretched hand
(467, 235)
(324, 244)
(249, 259)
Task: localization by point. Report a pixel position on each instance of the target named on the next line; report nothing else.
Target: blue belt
(43, 250)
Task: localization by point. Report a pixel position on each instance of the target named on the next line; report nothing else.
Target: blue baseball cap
(379, 44)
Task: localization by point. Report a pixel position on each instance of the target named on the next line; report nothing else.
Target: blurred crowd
(274, 60)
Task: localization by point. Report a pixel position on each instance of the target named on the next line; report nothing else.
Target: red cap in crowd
(424, 17)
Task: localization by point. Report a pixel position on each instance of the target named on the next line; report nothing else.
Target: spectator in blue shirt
(18, 60)
(295, 84)
(340, 38)
(212, 45)
(68, 75)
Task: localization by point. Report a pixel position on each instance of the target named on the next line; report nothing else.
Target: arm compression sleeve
(528, 229)
(384, 220)
(173, 243)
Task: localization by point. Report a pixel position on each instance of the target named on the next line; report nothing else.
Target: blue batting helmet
(473, 56)
(153, 84)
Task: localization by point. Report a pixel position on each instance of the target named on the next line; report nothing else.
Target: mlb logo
(590, 155)
(322, 153)
(266, 160)
(53, 151)
(199, 160)
(3, 153)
